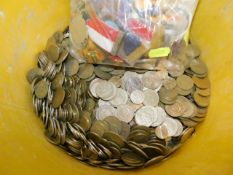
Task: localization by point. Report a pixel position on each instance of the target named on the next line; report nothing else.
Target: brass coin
(185, 82)
(101, 74)
(117, 72)
(106, 68)
(58, 98)
(71, 66)
(139, 127)
(154, 160)
(62, 57)
(99, 128)
(139, 136)
(125, 130)
(41, 89)
(53, 51)
(132, 159)
(204, 92)
(114, 124)
(153, 151)
(177, 109)
(94, 136)
(58, 80)
(200, 100)
(90, 104)
(188, 122)
(187, 133)
(198, 67)
(202, 83)
(116, 154)
(138, 151)
(58, 36)
(183, 92)
(112, 136)
(85, 121)
(34, 73)
(169, 83)
(167, 96)
(85, 71)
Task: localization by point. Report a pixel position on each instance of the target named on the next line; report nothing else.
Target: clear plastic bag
(123, 32)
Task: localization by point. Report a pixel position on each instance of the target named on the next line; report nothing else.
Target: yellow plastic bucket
(25, 26)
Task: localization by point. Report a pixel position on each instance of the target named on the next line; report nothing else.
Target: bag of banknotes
(129, 33)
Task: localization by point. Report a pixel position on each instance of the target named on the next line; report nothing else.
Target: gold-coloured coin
(198, 67)
(114, 124)
(192, 51)
(200, 100)
(101, 74)
(132, 159)
(85, 121)
(53, 51)
(187, 133)
(71, 66)
(85, 71)
(116, 138)
(58, 98)
(58, 80)
(41, 89)
(202, 83)
(204, 92)
(34, 73)
(184, 82)
(99, 128)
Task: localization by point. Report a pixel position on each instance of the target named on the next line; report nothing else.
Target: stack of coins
(115, 117)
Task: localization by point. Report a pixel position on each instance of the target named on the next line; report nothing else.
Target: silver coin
(120, 98)
(152, 80)
(131, 82)
(137, 97)
(180, 128)
(151, 98)
(106, 90)
(167, 129)
(103, 103)
(125, 113)
(93, 85)
(161, 116)
(145, 116)
(105, 111)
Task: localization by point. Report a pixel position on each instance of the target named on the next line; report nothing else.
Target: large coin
(151, 98)
(116, 138)
(34, 73)
(106, 90)
(185, 82)
(198, 67)
(161, 116)
(152, 80)
(101, 74)
(116, 80)
(104, 111)
(125, 113)
(71, 66)
(120, 98)
(202, 83)
(58, 80)
(131, 82)
(93, 86)
(146, 116)
(169, 83)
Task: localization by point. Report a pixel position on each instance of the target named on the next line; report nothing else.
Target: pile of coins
(115, 117)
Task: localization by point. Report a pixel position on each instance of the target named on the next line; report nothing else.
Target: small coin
(116, 138)
(185, 82)
(106, 90)
(202, 83)
(101, 74)
(200, 100)
(137, 97)
(58, 80)
(93, 86)
(104, 111)
(120, 98)
(125, 113)
(146, 116)
(169, 83)
(99, 127)
(161, 116)
(53, 51)
(125, 130)
(71, 66)
(85, 71)
(114, 124)
(58, 97)
(34, 73)
(41, 89)
(85, 121)
(116, 80)
(192, 51)
(204, 92)
(132, 159)
(151, 98)
(198, 67)
(175, 68)
(152, 80)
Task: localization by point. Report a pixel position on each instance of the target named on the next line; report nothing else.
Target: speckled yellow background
(25, 26)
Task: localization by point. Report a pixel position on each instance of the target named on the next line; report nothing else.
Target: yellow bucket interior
(25, 26)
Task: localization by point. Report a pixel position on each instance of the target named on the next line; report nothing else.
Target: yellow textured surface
(25, 26)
